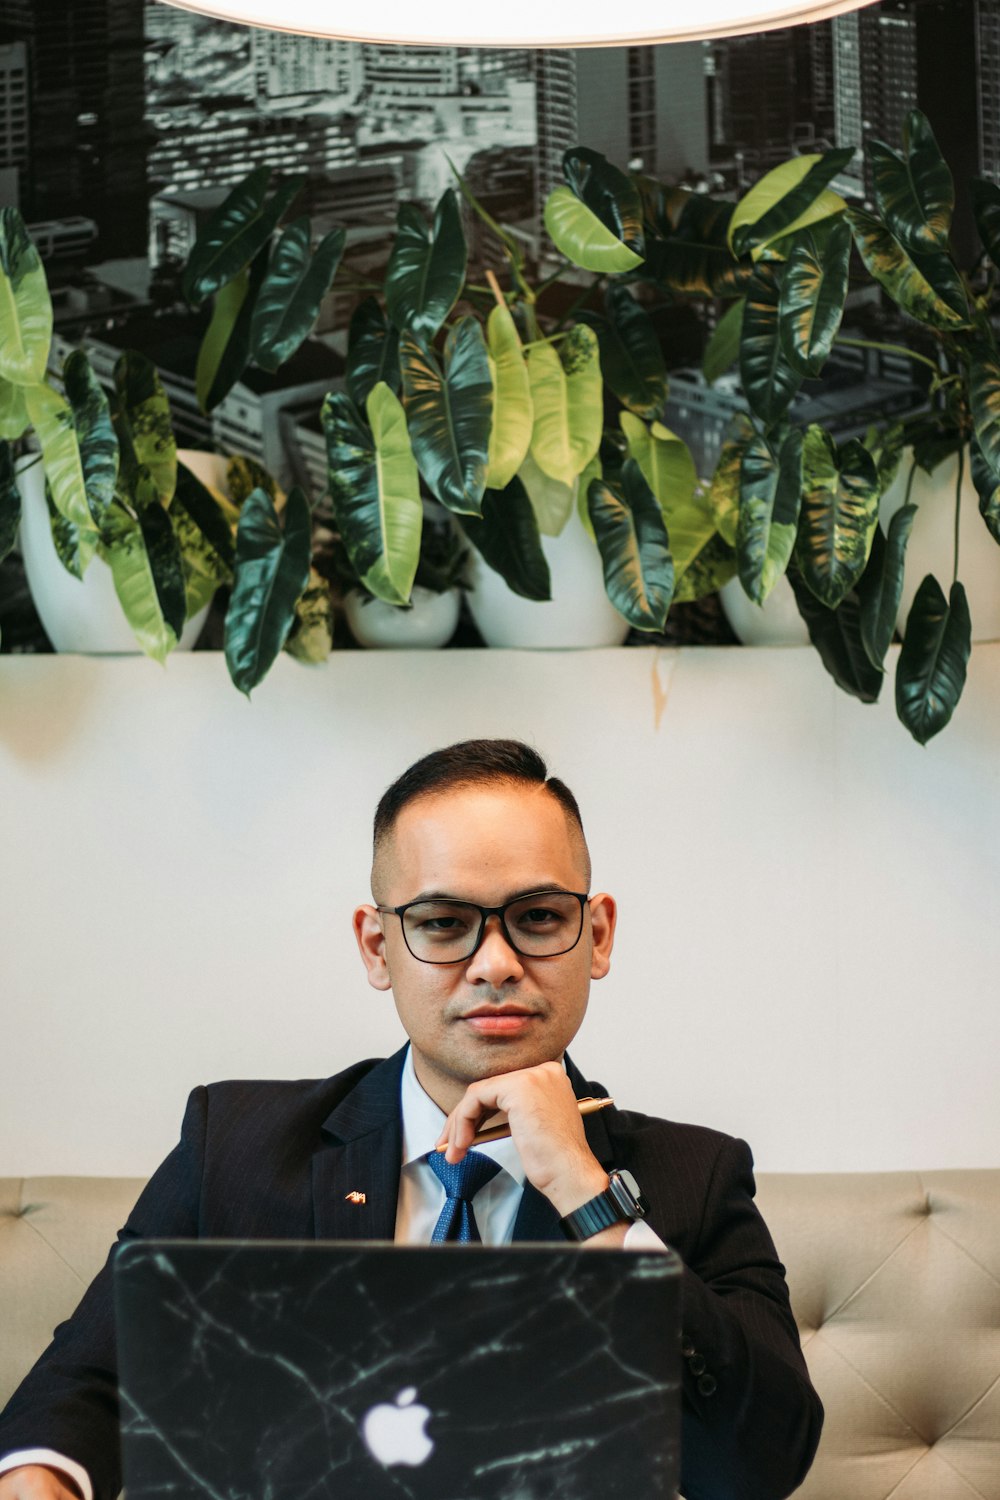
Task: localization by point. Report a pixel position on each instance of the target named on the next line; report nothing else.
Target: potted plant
(106, 487)
(430, 618)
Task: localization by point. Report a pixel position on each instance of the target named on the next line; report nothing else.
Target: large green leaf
(271, 573)
(567, 397)
(790, 197)
(426, 270)
(579, 234)
(236, 231)
(551, 500)
(225, 349)
(813, 293)
(145, 561)
(25, 305)
(204, 569)
(984, 399)
(926, 286)
(75, 546)
(930, 674)
(695, 257)
(634, 547)
(289, 301)
(10, 501)
(449, 413)
(914, 192)
(631, 358)
(143, 425)
(608, 193)
(840, 498)
(836, 635)
(769, 382)
(770, 493)
(375, 489)
(723, 348)
(95, 434)
(373, 352)
(506, 534)
(52, 418)
(513, 413)
(206, 513)
(13, 412)
(706, 573)
(986, 206)
(311, 636)
(881, 585)
(987, 482)
(724, 490)
(665, 461)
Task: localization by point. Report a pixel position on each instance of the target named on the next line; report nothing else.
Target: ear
(603, 917)
(371, 945)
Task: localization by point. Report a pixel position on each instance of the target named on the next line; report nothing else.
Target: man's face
(496, 1011)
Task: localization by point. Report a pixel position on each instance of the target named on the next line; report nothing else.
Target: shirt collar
(422, 1122)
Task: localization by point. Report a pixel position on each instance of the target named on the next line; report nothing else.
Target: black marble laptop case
(267, 1371)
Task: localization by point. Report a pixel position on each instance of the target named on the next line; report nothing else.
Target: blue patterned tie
(461, 1182)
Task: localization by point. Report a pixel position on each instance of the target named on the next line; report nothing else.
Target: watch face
(627, 1194)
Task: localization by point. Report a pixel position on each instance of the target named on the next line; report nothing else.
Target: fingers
(36, 1482)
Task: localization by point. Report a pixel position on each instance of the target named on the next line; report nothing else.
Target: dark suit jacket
(274, 1160)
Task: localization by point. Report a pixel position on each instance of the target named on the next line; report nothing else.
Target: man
(483, 928)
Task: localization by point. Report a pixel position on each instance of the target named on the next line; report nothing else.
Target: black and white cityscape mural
(123, 123)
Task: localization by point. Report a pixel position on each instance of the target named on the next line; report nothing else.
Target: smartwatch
(620, 1203)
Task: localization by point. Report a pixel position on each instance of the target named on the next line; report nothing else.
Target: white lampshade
(521, 23)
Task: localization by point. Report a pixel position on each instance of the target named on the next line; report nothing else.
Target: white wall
(809, 951)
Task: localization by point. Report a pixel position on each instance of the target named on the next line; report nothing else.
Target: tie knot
(462, 1180)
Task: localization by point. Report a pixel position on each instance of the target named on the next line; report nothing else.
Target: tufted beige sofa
(895, 1279)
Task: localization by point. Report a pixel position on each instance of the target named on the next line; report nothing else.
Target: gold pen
(501, 1132)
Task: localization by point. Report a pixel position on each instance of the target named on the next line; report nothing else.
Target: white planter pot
(84, 615)
(579, 614)
(776, 622)
(428, 624)
(931, 544)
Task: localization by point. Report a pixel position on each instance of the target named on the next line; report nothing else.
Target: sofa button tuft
(706, 1385)
(696, 1364)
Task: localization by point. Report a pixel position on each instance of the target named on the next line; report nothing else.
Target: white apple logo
(394, 1432)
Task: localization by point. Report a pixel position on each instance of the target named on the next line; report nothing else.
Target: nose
(494, 961)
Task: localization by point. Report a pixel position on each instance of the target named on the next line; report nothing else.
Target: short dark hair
(471, 763)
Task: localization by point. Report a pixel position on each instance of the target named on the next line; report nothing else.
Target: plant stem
(909, 483)
(889, 349)
(958, 507)
(494, 286)
(552, 338)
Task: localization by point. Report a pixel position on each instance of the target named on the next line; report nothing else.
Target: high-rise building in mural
(769, 95)
(987, 16)
(14, 123)
(659, 118)
(875, 76)
(284, 65)
(555, 119)
(86, 142)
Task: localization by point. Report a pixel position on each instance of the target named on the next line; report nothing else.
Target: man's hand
(546, 1127)
(37, 1482)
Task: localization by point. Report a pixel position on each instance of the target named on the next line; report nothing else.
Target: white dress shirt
(418, 1208)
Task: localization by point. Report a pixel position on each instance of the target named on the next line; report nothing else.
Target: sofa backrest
(895, 1282)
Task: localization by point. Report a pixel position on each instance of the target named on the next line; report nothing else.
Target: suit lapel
(361, 1153)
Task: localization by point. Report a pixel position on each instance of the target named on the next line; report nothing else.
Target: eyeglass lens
(539, 925)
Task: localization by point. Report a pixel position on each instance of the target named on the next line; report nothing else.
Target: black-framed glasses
(539, 924)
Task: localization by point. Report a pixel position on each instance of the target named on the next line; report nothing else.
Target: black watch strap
(620, 1203)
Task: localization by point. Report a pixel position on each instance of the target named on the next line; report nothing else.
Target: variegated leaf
(840, 497)
(770, 493)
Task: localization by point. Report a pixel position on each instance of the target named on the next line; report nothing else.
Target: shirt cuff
(640, 1236)
(74, 1471)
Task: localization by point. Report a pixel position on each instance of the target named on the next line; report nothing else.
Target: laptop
(271, 1370)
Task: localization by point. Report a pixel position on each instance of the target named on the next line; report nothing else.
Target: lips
(499, 1020)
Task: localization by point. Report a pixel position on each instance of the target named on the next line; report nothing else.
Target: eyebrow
(527, 890)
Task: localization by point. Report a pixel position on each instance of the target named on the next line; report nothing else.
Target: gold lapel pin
(355, 1197)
